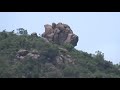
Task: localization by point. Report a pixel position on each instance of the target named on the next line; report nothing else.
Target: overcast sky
(96, 30)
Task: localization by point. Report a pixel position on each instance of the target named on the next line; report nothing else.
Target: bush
(51, 52)
(69, 47)
(71, 71)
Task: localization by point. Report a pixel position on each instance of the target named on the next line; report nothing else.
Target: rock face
(60, 34)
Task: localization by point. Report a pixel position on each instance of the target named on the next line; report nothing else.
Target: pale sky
(96, 30)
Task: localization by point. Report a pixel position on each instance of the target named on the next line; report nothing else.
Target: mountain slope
(27, 56)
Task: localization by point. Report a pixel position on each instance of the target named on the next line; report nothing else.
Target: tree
(99, 55)
(22, 31)
(3, 34)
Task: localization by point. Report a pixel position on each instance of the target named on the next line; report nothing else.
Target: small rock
(22, 52)
(34, 34)
(63, 49)
(34, 52)
(21, 57)
(68, 56)
(59, 60)
(34, 56)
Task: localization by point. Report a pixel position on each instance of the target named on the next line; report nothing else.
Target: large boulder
(48, 29)
(60, 34)
(53, 25)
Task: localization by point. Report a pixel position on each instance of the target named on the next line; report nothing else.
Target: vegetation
(85, 66)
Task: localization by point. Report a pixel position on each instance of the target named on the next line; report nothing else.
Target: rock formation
(62, 58)
(22, 53)
(60, 34)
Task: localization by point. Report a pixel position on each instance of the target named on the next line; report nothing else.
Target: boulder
(60, 34)
(69, 37)
(34, 56)
(74, 40)
(59, 60)
(62, 49)
(66, 26)
(34, 34)
(60, 26)
(21, 57)
(22, 52)
(53, 25)
(48, 29)
(34, 52)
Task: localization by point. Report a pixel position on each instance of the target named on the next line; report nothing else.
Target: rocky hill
(51, 55)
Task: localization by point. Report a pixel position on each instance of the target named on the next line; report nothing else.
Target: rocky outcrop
(22, 54)
(60, 34)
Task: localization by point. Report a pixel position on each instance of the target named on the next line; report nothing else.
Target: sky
(96, 30)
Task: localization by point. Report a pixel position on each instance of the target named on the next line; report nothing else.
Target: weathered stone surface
(68, 38)
(60, 26)
(74, 40)
(21, 57)
(48, 29)
(63, 49)
(22, 52)
(34, 56)
(34, 52)
(53, 25)
(60, 34)
(59, 60)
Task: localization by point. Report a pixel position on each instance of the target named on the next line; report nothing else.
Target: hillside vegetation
(27, 56)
